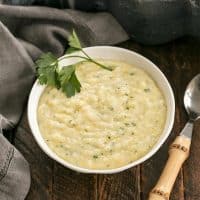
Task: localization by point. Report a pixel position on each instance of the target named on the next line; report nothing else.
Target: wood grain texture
(179, 61)
(124, 185)
(69, 185)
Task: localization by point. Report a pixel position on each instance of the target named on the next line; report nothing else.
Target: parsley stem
(86, 54)
(88, 58)
(101, 65)
(66, 56)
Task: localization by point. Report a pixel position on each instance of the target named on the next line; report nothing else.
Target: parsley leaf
(46, 59)
(75, 82)
(68, 80)
(71, 50)
(47, 69)
(65, 73)
(74, 41)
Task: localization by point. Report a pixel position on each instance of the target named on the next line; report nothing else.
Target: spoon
(179, 150)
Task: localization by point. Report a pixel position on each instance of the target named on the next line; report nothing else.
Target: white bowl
(112, 53)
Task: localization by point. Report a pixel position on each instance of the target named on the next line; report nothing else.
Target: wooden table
(180, 61)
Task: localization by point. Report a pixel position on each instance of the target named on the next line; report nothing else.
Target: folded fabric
(26, 32)
(14, 172)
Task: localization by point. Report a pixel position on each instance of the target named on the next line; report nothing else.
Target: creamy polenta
(116, 118)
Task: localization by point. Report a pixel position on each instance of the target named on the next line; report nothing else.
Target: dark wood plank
(68, 185)
(124, 185)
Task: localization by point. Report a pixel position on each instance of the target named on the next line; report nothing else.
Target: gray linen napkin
(26, 32)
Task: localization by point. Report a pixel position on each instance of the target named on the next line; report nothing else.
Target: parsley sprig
(49, 73)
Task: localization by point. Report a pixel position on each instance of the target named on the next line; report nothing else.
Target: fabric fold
(14, 172)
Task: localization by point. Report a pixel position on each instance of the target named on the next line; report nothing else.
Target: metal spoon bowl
(192, 98)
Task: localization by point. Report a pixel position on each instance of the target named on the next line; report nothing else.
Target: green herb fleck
(109, 137)
(133, 123)
(95, 156)
(111, 108)
(132, 73)
(147, 90)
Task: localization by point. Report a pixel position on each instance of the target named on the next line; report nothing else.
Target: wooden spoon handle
(178, 153)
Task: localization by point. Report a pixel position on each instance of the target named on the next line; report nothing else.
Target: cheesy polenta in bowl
(119, 119)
